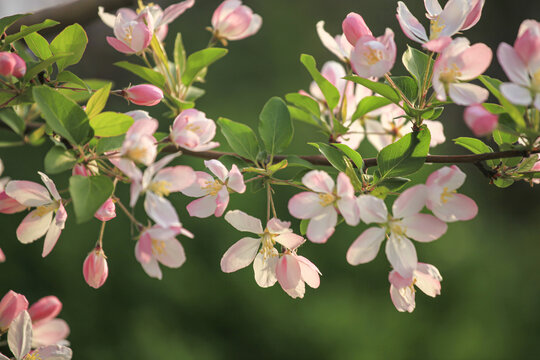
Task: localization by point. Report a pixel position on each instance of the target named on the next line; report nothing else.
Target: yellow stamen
(161, 188)
(536, 81)
(45, 209)
(268, 242)
(326, 199)
(128, 37)
(194, 128)
(447, 195)
(158, 247)
(373, 56)
(449, 75)
(212, 188)
(32, 356)
(436, 28)
(136, 154)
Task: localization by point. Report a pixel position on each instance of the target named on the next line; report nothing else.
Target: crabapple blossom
(2, 256)
(95, 268)
(321, 206)
(159, 245)
(405, 222)
(7, 63)
(20, 66)
(145, 94)
(338, 45)
(46, 328)
(11, 305)
(479, 120)
(45, 309)
(213, 193)
(139, 146)
(132, 34)
(444, 23)
(354, 27)
(234, 21)
(461, 62)
(521, 63)
(426, 277)
(374, 57)
(293, 272)
(192, 130)
(40, 221)
(442, 198)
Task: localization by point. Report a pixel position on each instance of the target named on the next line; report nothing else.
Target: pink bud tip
(354, 27)
(107, 211)
(11, 306)
(44, 309)
(7, 63)
(145, 95)
(20, 66)
(479, 120)
(95, 269)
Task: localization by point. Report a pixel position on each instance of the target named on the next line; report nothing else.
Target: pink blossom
(95, 268)
(7, 63)
(406, 222)
(337, 45)
(461, 62)
(479, 120)
(444, 23)
(322, 205)
(20, 66)
(145, 94)
(214, 193)
(89, 169)
(46, 328)
(159, 245)
(11, 305)
(426, 277)
(7, 205)
(354, 28)
(40, 221)
(374, 57)
(293, 272)
(139, 146)
(192, 130)
(444, 201)
(107, 211)
(521, 64)
(234, 21)
(45, 309)
(132, 34)
(2, 256)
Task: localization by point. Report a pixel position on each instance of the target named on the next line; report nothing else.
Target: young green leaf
(301, 115)
(416, 63)
(39, 67)
(333, 155)
(110, 123)
(275, 126)
(368, 104)
(240, 138)
(331, 94)
(476, 146)
(179, 53)
(68, 76)
(38, 45)
(97, 102)
(7, 21)
(14, 121)
(58, 160)
(493, 86)
(382, 89)
(143, 72)
(351, 154)
(30, 29)
(72, 39)
(109, 144)
(200, 60)
(88, 194)
(305, 103)
(407, 85)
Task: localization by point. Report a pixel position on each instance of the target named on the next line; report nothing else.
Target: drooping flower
(321, 205)
(132, 34)
(39, 221)
(293, 272)
(144, 94)
(234, 21)
(405, 222)
(192, 130)
(460, 62)
(95, 268)
(374, 57)
(444, 23)
(159, 245)
(521, 63)
(46, 327)
(426, 277)
(11, 305)
(338, 45)
(444, 201)
(213, 193)
(479, 120)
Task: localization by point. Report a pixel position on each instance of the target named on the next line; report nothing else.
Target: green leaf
(494, 108)
(405, 156)
(88, 194)
(63, 115)
(275, 126)
(38, 45)
(333, 155)
(476, 146)
(14, 121)
(194, 93)
(143, 72)
(97, 102)
(109, 144)
(407, 85)
(179, 53)
(80, 95)
(352, 154)
(331, 94)
(305, 103)
(416, 63)
(72, 39)
(493, 86)
(303, 226)
(58, 160)
(301, 115)
(382, 89)
(30, 29)
(69, 77)
(368, 104)
(7, 21)
(240, 137)
(200, 60)
(433, 114)
(502, 137)
(39, 67)
(503, 182)
(296, 161)
(230, 160)
(110, 123)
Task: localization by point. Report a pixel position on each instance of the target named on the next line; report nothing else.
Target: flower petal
(322, 226)
(457, 207)
(305, 205)
(424, 227)
(49, 333)
(467, 94)
(217, 168)
(290, 240)
(410, 25)
(512, 65)
(403, 299)
(401, 254)
(517, 94)
(172, 254)
(20, 335)
(265, 269)
(318, 181)
(179, 177)
(222, 200)
(50, 185)
(33, 226)
(203, 207)
(288, 272)
(28, 193)
(244, 222)
(410, 202)
(366, 246)
(240, 255)
(372, 209)
(160, 210)
(310, 273)
(51, 238)
(198, 188)
(236, 180)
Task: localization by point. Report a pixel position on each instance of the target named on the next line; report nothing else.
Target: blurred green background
(491, 289)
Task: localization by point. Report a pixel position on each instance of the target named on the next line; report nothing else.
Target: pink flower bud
(20, 66)
(89, 169)
(44, 309)
(7, 63)
(95, 269)
(479, 120)
(107, 211)
(2, 256)
(145, 95)
(234, 21)
(354, 27)
(11, 306)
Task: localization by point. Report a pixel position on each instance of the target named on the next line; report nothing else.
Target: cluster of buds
(11, 64)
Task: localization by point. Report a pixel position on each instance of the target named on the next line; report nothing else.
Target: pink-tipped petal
(244, 222)
(424, 227)
(305, 205)
(44, 309)
(476, 60)
(217, 168)
(410, 25)
(366, 246)
(288, 272)
(401, 254)
(372, 209)
(457, 208)
(236, 180)
(50, 332)
(318, 181)
(222, 200)
(240, 255)
(119, 45)
(310, 273)
(289, 240)
(51, 238)
(410, 202)
(512, 65)
(33, 226)
(28, 193)
(322, 226)
(203, 207)
(174, 11)
(172, 254)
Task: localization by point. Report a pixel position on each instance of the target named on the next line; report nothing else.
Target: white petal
(50, 185)
(467, 94)
(372, 209)
(322, 226)
(366, 246)
(410, 202)
(265, 270)
(424, 227)
(34, 226)
(517, 94)
(244, 222)
(28, 193)
(402, 255)
(20, 335)
(160, 210)
(240, 255)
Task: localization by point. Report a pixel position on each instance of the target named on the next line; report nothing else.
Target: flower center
(45, 209)
(536, 81)
(450, 74)
(161, 188)
(397, 228)
(447, 195)
(326, 199)
(128, 36)
(194, 128)
(373, 56)
(268, 242)
(435, 28)
(212, 188)
(136, 154)
(32, 356)
(158, 247)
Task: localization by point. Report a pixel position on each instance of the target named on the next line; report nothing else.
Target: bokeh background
(489, 307)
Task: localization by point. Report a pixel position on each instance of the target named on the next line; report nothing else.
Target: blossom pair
(292, 271)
